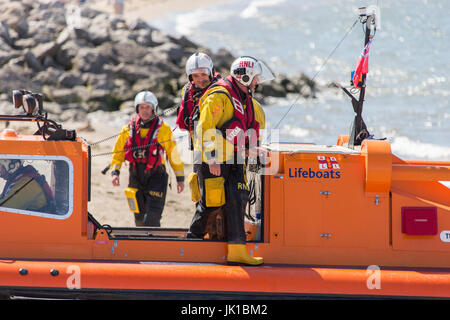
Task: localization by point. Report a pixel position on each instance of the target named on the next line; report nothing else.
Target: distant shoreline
(152, 9)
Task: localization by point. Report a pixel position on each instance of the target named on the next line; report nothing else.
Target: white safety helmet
(199, 63)
(11, 165)
(245, 68)
(146, 97)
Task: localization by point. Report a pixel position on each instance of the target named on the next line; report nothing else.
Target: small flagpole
(359, 130)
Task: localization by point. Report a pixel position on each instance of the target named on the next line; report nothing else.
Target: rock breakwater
(84, 60)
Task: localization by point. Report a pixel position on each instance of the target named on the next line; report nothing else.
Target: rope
(165, 112)
(317, 73)
(135, 148)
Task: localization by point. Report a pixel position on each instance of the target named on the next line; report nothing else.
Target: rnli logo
(156, 194)
(246, 64)
(231, 135)
(242, 186)
(326, 163)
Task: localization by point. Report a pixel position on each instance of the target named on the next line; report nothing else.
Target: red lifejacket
(237, 130)
(144, 150)
(189, 104)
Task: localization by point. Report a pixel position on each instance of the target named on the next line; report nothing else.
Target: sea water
(408, 85)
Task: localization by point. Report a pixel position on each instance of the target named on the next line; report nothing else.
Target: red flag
(362, 66)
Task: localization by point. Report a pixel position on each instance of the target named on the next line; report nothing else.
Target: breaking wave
(404, 146)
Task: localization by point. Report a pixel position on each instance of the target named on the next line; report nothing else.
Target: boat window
(36, 185)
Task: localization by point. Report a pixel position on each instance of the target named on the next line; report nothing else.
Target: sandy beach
(148, 9)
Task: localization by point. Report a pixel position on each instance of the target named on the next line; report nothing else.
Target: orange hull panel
(150, 277)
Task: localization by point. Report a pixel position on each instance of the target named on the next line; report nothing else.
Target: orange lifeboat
(348, 220)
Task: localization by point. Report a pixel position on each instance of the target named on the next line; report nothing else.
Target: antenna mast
(359, 130)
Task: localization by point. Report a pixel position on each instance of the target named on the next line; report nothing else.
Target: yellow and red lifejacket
(237, 130)
(189, 104)
(144, 150)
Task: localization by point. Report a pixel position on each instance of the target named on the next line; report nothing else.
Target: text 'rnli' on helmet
(146, 97)
(199, 63)
(245, 68)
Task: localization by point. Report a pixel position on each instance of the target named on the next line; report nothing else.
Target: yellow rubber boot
(237, 255)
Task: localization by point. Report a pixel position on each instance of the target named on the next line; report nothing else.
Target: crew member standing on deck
(226, 133)
(201, 74)
(143, 143)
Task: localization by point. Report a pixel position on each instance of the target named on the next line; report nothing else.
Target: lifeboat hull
(154, 280)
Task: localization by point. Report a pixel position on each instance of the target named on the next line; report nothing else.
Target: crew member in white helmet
(228, 107)
(201, 74)
(143, 143)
